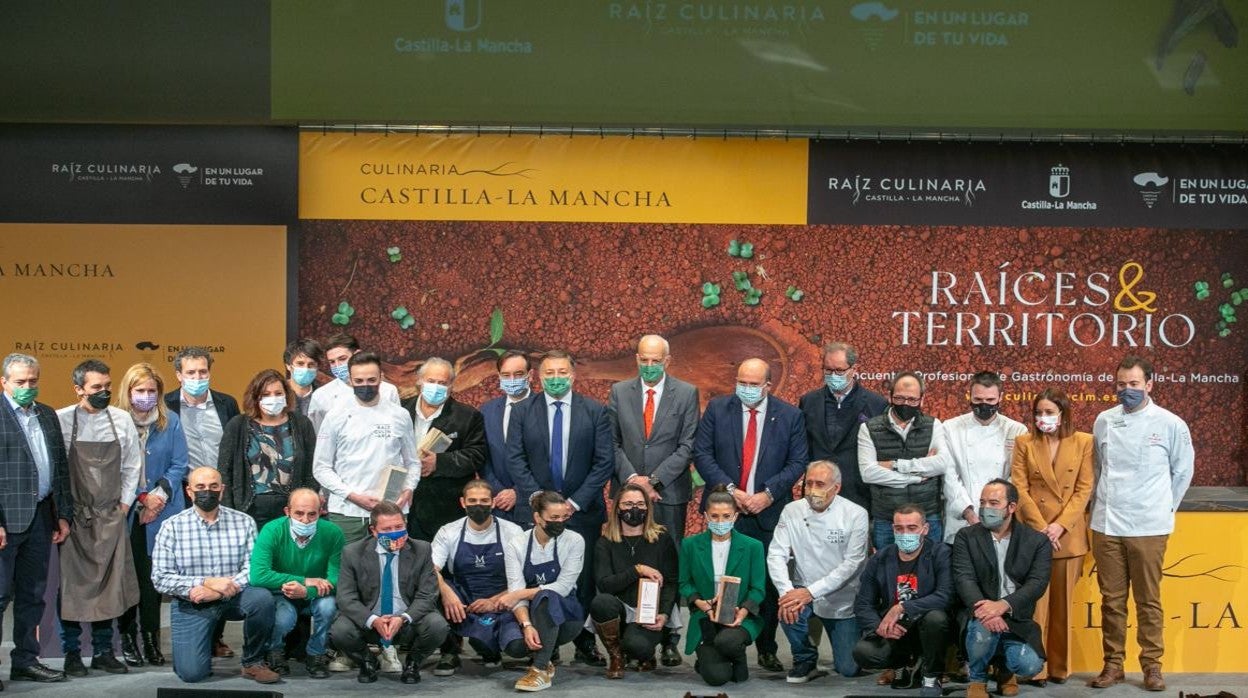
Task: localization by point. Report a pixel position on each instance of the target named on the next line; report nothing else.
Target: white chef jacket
(828, 549)
(94, 427)
(906, 471)
(446, 540)
(979, 453)
(353, 445)
(1143, 464)
(336, 393)
(571, 559)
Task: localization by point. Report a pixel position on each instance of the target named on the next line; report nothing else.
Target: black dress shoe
(276, 659)
(670, 656)
(1039, 683)
(74, 666)
(368, 668)
(318, 666)
(588, 654)
(38, 672)
(151, 649)
(411, 669)
(769, 661)
(1054, 679)
(108, 663)
(130, 649)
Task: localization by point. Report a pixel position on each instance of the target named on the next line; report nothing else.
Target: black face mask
(906, 412)
(983, 411)
(207, 500)
(478, 513)
(633, 517)
(554, 528)
(366, 393)
(100, 400)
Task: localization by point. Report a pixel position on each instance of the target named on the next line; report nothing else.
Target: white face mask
(273, 405)
(1048, 423)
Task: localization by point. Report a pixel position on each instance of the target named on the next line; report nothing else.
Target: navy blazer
(19, 476)
(495, 469)
(588, 464)
(877, 587)
(782, 455)
(841, 444)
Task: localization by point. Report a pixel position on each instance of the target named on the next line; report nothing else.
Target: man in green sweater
(297, 558)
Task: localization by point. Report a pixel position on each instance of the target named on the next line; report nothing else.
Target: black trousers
(769, 609)
(549, 634)
(636, 642)
(721, 656)
(585, 586)
(926, 637)
(146, 615)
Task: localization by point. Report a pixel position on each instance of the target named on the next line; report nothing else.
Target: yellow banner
(528, 178)
(1204, 593)
(130, 293)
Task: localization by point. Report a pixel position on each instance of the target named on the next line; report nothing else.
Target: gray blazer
(359, 580)
(669, 450)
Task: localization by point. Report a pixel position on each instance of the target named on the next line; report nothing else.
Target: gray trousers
(424, 635)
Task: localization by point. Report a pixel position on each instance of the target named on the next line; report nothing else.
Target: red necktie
(648, 413)
(747, 451)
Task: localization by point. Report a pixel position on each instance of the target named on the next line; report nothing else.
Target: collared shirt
(203, 429)
(1143, 465)
(658, 392)
(567, 422)
(1007, 585)
(336, 393)
(761, 409)
(571, 560)
(189, 549)
(355, 443)
(828, 550)
(422, 423)
(507, 405)
(905, 471)
(978, 453)
(397, 603)
(29, 419)
(95, 427)
(446, 540)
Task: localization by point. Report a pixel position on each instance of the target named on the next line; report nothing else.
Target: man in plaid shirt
(203, 558)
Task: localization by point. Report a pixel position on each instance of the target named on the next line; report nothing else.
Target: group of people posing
(341, 532)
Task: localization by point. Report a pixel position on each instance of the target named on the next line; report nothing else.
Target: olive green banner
(1029, 64)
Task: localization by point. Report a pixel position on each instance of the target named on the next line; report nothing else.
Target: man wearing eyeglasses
(903, 458)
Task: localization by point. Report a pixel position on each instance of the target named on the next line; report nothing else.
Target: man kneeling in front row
(1001, 569)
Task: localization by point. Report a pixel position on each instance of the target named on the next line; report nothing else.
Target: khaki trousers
(1053, 615)
(1130, 563)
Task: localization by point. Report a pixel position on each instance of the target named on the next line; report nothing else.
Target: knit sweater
(277, 559)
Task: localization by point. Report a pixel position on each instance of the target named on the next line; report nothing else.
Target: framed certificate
(647, 601)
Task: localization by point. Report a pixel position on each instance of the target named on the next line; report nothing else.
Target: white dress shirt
(95, 427)
(571, 559)
(397, 604)
(446, 540)
(979, 453)
(507, 405)
(761, 418)
(906, 471)
(353, 445)
(658, 393)
(336, 393)
(421, 423)
(29, 419)
(828, 549)
(1143, 465)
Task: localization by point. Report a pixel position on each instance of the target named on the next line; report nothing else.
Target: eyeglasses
(837, 371)
(632, 505)
(912, 401)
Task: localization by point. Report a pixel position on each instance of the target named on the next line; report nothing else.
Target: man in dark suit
(834, 414)
(561, 441)
(387, 595)
(755, 444)
(435, 502)
(35, 509)
(997, 608)
(514, 377)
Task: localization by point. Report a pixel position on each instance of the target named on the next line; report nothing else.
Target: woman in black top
(632, 548)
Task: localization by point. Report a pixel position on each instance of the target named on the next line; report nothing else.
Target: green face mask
(650, 373)
(557, 386)
(25, 396)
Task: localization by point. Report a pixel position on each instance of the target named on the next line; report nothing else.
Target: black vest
(890, 446)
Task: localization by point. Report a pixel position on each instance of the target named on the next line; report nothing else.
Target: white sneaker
(341, 663)
(389, 660)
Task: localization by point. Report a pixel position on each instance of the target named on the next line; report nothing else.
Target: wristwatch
(656, 484)
(526, 625)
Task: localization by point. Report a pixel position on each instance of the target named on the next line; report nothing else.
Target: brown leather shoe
(1007, 684)
(1152, 678)
(261, 674)
(977, 689)
(1109, 676)
(885, 677)
(220, 650)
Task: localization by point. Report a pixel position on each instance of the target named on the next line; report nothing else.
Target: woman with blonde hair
(160, 496)
(1052, 470)
(632, 548)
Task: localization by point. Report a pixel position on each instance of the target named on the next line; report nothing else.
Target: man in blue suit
(514, 376)
(562, 441)
(755, 445)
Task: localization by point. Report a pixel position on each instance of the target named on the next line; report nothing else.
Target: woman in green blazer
(705, 558)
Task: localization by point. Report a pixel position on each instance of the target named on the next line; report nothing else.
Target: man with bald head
(202, 558)
(296, 558)
(654, 418)
(754, 444)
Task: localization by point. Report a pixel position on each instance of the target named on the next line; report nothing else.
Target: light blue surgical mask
(301, 529)
(836, 382)
(195, 386)
(908, 542)
(434, 393)
(303, 376)
(750, 394)
(719, 528)
(342, 372)
(514, 387)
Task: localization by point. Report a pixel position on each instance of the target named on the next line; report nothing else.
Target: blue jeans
(192, 627)
(981, 648)
(842, 633)
(101, 636)
(882, 531)
(286, 611)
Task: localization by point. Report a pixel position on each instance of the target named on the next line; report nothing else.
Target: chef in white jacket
(1143, 463)
(981, 445)
(815, 558)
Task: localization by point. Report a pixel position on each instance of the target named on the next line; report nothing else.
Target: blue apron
(562, 608)
(479, 572)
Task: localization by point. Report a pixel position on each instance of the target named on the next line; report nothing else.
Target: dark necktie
(556, 448)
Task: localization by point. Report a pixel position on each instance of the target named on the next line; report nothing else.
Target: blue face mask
(750, 394)
(1131, 398)
(514, 387)
(303, 377)
(433, 393)
(836, 382)
(908, 542)
(390, 540)
(342, 372)
(301, 529)
(719, 528)
(195, 386)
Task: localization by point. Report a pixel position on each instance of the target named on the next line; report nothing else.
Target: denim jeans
(842, 634)
(286, 611)
(192, 627)
(882, 531)
(982, 646)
